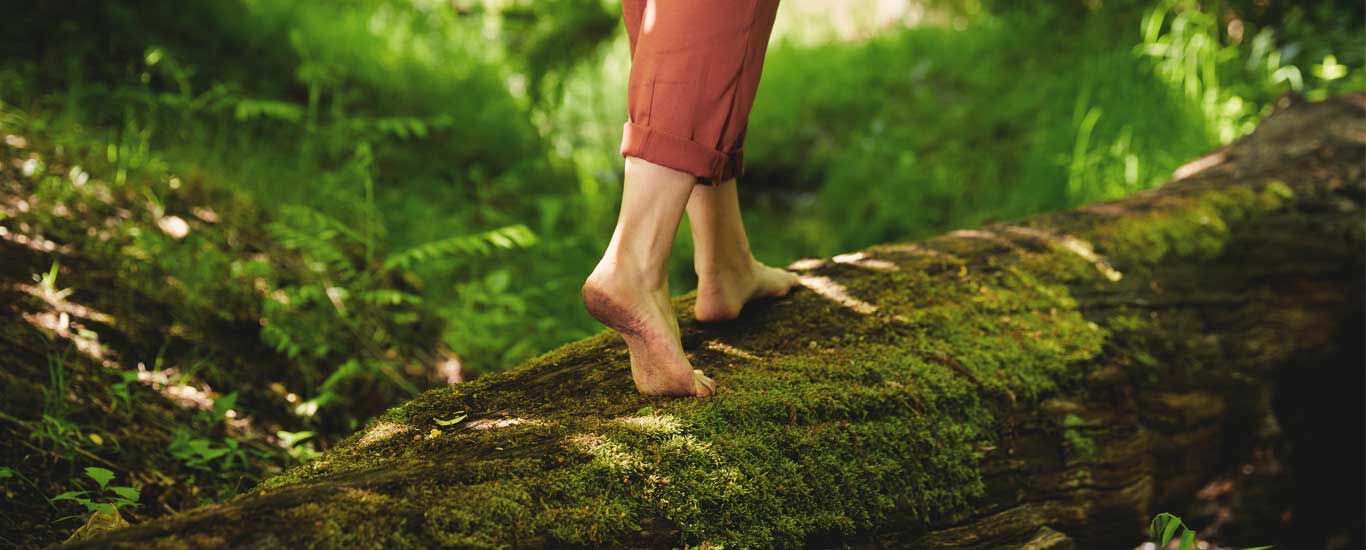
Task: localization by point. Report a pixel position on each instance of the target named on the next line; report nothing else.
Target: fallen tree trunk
(1042, 384)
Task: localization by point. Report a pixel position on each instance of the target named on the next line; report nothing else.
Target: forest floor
(160, 377)
(888, 305)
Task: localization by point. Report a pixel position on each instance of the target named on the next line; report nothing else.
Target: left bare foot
(722, 294)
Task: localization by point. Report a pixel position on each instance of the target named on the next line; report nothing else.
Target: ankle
(724, 270)
(626, 273)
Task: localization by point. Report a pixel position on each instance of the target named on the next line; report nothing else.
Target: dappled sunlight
(59, 324)
(173, 226)
(168, 383)
(35, 243)
(449, 368)
(863, 260)
(911, 249)
(606, 453)
(1199, 165)
(56, 299)
(982, 235)
(382, 431)
(1071, 244)
(63, 319)
(835, 292)
(811, 22)
(495, 423)
(722, 347)
(806, 264)
(651, 424)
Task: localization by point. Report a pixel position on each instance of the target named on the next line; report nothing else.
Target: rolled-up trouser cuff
(682, 154)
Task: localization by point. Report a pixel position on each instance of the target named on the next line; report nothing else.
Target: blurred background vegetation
(359, 179)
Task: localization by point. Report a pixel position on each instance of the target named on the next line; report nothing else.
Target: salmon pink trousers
(695, 68)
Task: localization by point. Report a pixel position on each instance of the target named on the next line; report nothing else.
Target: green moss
(834, 418)
(1195, 227)
(1082, 445)
(866, 417)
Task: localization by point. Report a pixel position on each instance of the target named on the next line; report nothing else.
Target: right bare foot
(721, 294)
(644, 318)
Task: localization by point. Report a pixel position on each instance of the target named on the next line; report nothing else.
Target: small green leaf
(6, 472)
(127, 492)
(1187, 540)
(100, 475)
(223, 404)
(1164, 527)
(454, 420)
(290, 439)
(1168, 531)
(69, 495)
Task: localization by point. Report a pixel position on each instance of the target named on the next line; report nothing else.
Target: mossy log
(1047, 383)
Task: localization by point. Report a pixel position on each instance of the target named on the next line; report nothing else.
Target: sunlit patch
(654, 424)
(806, 264)
(606, 453)
(837, 293)
(909, 249)
(448, 366)
(58, 320)
(722, 347)
(174, 226)
(30, 167)
(38, 244)
(205, 214)
(85, 341)
(382, 431)
(56, 299)
(863, 260)
(494, 423)
(17, 142)
(188, 396)
(978, 234)
(78, 176)
(1199, 165)
(1073, 245)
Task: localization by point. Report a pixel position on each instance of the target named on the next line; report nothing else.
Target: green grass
(409, 124)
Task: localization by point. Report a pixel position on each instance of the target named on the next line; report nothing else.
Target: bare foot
(644, 318)
(721, 295)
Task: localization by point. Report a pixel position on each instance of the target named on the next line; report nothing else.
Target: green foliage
(105, 498)
(55, 428)
(201, 454)
(414, 156)
(298, 445)
(422, 136)
(1165, 527)
(1025, 109)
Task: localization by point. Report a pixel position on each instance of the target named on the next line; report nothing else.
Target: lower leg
(728, 275)
(629, 289)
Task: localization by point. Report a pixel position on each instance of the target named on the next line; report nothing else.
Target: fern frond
(478, 244)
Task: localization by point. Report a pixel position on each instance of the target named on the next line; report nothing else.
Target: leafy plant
(201, 454)
(297, 445)
(106, 498)
(1165, 527)
(54, 426)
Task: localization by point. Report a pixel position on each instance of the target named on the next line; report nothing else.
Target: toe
(702, 385)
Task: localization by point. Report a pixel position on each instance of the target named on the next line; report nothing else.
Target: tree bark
(1048, 383)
